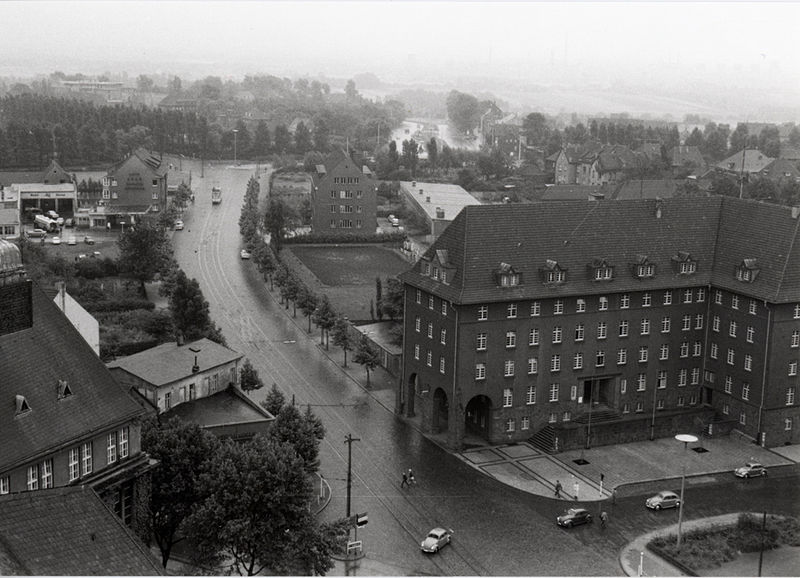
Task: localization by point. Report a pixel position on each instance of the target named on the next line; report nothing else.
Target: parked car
(750, 469)
(69, 222)
(436, 539)
(663, 499)
(88, 240)
(56, 240)
(179, 225)
(35, 233)
(52, 214)
(71, 240)
(574, 517)
(245, 254)
(394, 221)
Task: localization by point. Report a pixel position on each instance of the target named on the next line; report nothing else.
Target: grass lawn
(345, 273)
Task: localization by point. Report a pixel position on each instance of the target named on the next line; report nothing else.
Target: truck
(216, 196)
(45, 223)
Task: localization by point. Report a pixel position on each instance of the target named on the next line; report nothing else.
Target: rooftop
(226, 407)
(449, 198)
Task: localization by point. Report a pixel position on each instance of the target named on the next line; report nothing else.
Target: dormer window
(642, 268)
(63, 389)
(506, 276)
(426, 269)
(552, 273)
(684, 264)
(436, 273)
(747, 271)
(601, 270)
(22, 405)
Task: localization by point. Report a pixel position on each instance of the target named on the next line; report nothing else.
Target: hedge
(333, 239)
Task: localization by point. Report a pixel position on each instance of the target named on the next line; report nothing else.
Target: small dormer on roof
(552, 273)
(747, 271)
(600, 270)
(642, 268)
(63, 389)
(506, 276)
(683, 263)
(438, 266)
(22, 405)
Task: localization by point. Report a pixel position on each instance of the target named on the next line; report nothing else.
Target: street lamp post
(235, 133)
(686, 439)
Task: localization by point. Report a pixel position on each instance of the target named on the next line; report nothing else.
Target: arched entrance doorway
(441, 409)
(476, 417)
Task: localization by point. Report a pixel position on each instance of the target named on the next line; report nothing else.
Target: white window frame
(480, 371)
(533, 365)
(577, 360)
(558, 334)
(624, 328)
(624, 301)
(602, 304)
(511, 311)
(511, 339)
(74, 463)
(558, 307)
(508, 397)
(508, 368)
(533, 336)
(602, 330)
(480, 342)
(86, 458)
(647, 300)
(666, 324)
(530, 395)
(667, 297)
(483, 312)
(536, 309)
(555, 363)
(622, 356)
(554, 387)
(644, 326)
(580, 331)
(111, 446)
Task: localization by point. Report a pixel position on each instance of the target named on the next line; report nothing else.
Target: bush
(119, 305)
(328, 238)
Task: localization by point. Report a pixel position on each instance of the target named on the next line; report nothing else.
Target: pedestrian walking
(405, 480)
(558, 489)
(411, 478)
(576, 489)
(603, 519)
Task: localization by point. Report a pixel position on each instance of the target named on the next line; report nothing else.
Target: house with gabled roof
(686, 157)
(746, 161)
(68, 531)
(344, 197)
(640, 317)
(781, 170)
(65, 420)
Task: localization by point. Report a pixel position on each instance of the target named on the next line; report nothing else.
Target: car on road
(574, 517)
(179, 225)
(436, 539)
(56, 240)
(393, 221)
(750, 470)
(88, 240)
(245, 254)
(72, 240)
(37, 233)
(663, 499)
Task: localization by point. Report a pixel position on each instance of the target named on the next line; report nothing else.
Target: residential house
(66, 421)
(612, 164)
(641, 317)
(68, 531)
(436, 203)
(573, 163)
(686, 157)
(746, 161)
(10, 219)
(344, 197)
(781, 170)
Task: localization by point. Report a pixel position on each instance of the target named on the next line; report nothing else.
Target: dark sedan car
(573, 517)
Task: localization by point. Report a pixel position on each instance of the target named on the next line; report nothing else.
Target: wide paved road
(498, 530)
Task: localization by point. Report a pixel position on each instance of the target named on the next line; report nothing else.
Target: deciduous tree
(144, 250)
(248, 377)
(366, 355)
(342, 337)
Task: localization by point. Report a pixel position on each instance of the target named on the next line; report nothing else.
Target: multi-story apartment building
(344, 198)
(65, 420)
(582, 323)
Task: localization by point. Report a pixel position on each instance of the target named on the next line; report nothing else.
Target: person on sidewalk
(558, 489)
(603, 519)
(576, 489)
(411, 478)
(405, 480)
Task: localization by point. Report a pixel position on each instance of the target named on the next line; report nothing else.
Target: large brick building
(585, 323)
(344, 198)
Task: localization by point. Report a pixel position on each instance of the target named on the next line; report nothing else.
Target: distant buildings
(344, 198)
(437, 204)
(571, 323)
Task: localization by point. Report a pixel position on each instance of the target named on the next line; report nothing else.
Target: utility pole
(349, 439)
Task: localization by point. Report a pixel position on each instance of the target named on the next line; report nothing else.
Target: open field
(345, 273)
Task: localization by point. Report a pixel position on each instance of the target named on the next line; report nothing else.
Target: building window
(86, 458)
(429, 358)
(111, 446)
(573, 392)
(577, 362)
(430, 330)
(416, 351)
(749, 334)
(444, 303)
(480, 371)
(709, 376)
(417, 323)
(666, 324)
(443, 337)
(558, 307)
(419, 296)
(557, 334)
(33, 477)
(511, 339)
(718, 297)
(715, 324)
(687, 295)
(507, 397)
(553, 418)
(787, 424)
(555, 363)
(603, 304)
(441, 364)
(624, 301)
(728, 383)
(645, 326)
(646, 300)
(601, 330)
(74, 464)
(646, 270)
(734, 302)
(660, 404)
(556, 276)
(793, 368)
(667, 297)
(622, 356)
(663, 353)
(790, 396)
(508, 370)
(580, 306)
(688, 267)
(579, 332)
(639, 407)
(746, 391)
(742, 418)
(731, 356)
(623, 328)
(533, 365)
(695, 375)
(643, 354)
(682, 377)
(795, 339)
(713, 351)
(511, 311)
(623, 385)
(47, 474)
(687, 323)
(483, 313)
(748, 362)
(641, 382)
(726, 408)
(430, 301)
(698, 321)
(167, 401)
(797, 311)
(684, 349)
(600, 358)
(536, 309)
(566, 416)
(533, 337)
(510, 425)
(480, 344)
(626, 408)
(5, 485)
(526, 423)
(662, 378)
(553, 392)
(530, 395)
(701, 295)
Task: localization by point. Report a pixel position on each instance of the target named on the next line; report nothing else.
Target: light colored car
(72, 240)
(179, 225)
(436, 539)
(750, 470)
(664, 499)
(37, 233)
(393, 221)
(245, 254)
(56, 240)
(88, 240)
(573, 517)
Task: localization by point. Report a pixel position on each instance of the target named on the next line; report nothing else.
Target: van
(46, 223)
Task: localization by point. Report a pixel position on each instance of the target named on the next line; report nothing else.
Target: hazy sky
(345, 38)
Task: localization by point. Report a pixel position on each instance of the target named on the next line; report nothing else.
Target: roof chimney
(658, 208)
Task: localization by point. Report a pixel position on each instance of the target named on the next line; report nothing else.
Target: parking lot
(104, 243)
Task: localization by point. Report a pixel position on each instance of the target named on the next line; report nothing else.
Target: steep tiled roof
(68, 532)
(781, 169)
(618, 158)
(572, 233)
(170, 362)
(647, 189)
(32, 361)
(754, 161)
(573, 192)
